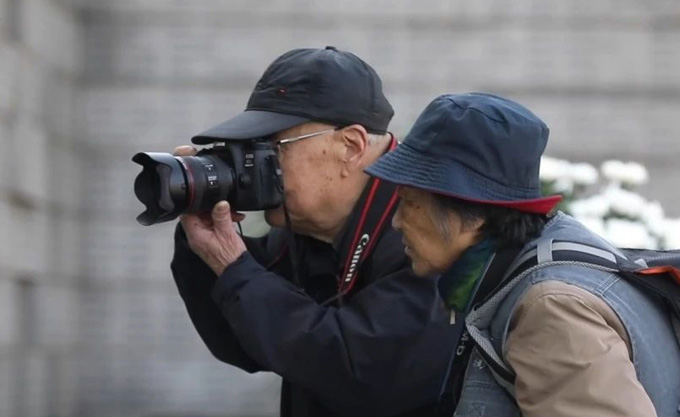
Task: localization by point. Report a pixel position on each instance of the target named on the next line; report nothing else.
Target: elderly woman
(558, 340)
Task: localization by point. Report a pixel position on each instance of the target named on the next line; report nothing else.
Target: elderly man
(555, 339)
(326, 299)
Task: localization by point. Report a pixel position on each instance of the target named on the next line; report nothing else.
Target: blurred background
(90, 321)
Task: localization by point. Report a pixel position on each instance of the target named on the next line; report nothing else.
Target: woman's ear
(476, 227)
(355, 142)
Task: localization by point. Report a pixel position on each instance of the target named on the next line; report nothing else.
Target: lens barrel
(171, 185)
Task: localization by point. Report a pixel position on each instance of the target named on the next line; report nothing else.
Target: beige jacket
(572, 356)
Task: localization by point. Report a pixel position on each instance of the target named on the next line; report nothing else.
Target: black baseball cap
(323, 85)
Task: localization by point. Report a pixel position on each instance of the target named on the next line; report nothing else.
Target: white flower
(563, 175)
(553, 169)
(653, 217)
(595, 206)
(628, 234)
(563, 185)
(624, 202)
(636, 174)
(613, 170)
(630, 173)
(671, 235)
(583, 174)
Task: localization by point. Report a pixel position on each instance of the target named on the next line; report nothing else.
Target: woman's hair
(508, 227)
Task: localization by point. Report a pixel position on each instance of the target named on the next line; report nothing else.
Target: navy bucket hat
(476, 147)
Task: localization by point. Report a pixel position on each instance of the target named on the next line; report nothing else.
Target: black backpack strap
(493, 279)
(550, 250)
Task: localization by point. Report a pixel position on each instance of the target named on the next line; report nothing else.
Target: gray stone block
(154, 119)
(607, 126)
(153, 383)
(52, 33)
(108, 185)
(29, 162)
(200, 52)
(6, 239)
(9, 80)
(34, 386)
(8, 384)
(32, 82)
(391, 7)
(57, 316)
(94, 308)
(63, 395)
(663, 176)
(9, 310)
(65, 257)
(29, 242)
(665, 52)
(4, 17)
(58, 107)
(66, 176)
(129, 251)
(69, 6)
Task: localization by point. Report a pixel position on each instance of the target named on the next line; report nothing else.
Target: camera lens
(170, 185)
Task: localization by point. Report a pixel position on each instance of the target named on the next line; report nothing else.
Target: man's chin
(275, 217)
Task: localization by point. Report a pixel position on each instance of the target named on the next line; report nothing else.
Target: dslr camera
(245, 173)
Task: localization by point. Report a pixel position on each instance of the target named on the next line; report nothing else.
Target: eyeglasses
(305, 136)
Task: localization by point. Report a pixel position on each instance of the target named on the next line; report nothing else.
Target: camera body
(245, 173)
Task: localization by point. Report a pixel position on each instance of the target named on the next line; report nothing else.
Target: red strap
(663, 269)
(349, 275)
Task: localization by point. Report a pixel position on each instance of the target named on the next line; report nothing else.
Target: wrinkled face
(310, 168)
(430, 250)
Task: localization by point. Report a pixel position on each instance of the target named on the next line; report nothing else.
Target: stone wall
(602, 73)
(90, 321)
(40, 207)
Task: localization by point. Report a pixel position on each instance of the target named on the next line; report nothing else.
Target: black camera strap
(376, 206)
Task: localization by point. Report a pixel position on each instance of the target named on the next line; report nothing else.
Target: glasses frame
(284, 141)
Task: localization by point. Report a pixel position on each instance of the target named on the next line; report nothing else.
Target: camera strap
(376, 206)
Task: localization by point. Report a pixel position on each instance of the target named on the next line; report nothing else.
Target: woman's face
(430, 248)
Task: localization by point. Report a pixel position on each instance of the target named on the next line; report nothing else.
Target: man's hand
(185, 150)
(212, 236)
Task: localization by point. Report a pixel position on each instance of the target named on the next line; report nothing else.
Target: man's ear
(355, 142)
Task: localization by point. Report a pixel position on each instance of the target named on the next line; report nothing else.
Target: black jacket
(384, 352)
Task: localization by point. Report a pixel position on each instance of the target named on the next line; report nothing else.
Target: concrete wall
(40, 57)
(90, 322)
(602, 73)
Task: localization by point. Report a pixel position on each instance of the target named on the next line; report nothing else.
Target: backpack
(654, 272)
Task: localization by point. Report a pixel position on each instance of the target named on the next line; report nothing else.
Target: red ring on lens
(190, 182)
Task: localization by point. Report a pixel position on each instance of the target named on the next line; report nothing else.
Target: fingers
(185, 150)
(205, 219)
(213, 238)
(221, 216)
(237, 217)
(193, 223)
(222, 213)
